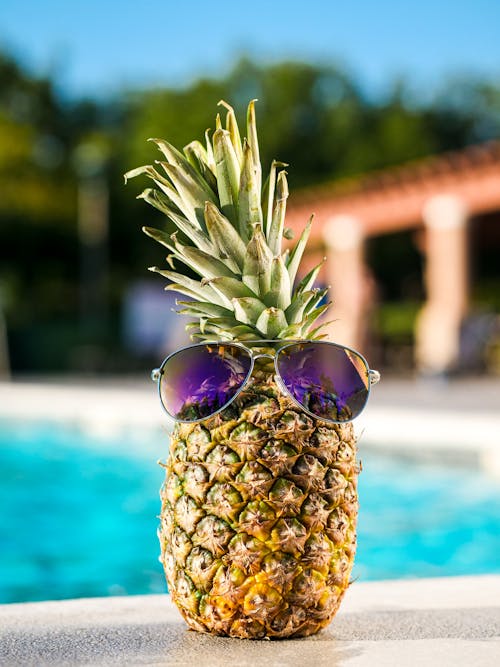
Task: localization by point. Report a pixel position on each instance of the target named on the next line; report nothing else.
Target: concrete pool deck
(414, 623)
(457, 422)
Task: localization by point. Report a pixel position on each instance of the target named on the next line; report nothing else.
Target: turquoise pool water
(78, 516)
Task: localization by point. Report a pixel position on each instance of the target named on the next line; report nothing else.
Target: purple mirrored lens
(198, 381)
(330, 381)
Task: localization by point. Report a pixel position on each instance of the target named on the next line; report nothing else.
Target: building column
(346, 275)
(446, 281)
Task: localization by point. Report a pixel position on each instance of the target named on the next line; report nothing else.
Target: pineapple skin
(258, 517)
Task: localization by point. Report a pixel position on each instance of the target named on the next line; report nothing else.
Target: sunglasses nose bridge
(263, 355)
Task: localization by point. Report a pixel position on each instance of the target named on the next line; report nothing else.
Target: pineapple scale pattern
(258, 520)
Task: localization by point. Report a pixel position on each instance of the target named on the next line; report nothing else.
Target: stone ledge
(425, 622)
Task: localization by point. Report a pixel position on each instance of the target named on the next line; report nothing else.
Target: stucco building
(452, 204)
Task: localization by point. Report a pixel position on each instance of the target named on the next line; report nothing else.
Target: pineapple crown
(229, 232)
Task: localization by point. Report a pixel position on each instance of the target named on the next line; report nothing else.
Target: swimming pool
(78, 515)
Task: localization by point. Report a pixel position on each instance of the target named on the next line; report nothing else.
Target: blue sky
(96, 47)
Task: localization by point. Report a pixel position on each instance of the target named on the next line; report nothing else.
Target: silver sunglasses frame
(157, 373)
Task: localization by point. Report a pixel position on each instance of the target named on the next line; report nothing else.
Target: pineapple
(259, 504)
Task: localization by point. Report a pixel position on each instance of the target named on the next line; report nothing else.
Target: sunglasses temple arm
(374, 376)
(156, 374)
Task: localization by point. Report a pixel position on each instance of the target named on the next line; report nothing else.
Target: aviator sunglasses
(329, 381)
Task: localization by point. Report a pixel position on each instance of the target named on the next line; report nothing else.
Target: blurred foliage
(396, 319)
(316, 118)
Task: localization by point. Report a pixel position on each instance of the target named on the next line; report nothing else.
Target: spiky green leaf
(232, 128)
(158, 200)
(203, 308)
(247, 309)
(189, 231)
(298, 250)
(184, 206)
(275, 236)
(146, 170)
(182, 164)
(209, 323)
(188, 187)
(268, 194)
(309, 320)
(160, 236)
(227, 170)
(198, 238)
(249, 207)
(319, 295)
(210, 153)
(271, 322)
(245, 333)
(189, 287)
(253, 140)
(197, 155)
(295, 311)
(225, 322)
(271, 298)
(280, 283)
(241, 332)
(308, 281)
(204, 264)
(314, 334)
(230, 288)
(290, 332)
(224, 236)
(190, 192)
(257, 265)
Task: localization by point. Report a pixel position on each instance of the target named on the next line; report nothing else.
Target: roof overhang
(392, 200)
